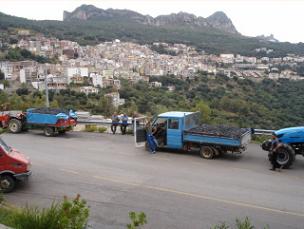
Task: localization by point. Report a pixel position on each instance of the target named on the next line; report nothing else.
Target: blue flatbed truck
(183, 131)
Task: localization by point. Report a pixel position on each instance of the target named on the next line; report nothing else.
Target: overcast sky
(284, 19)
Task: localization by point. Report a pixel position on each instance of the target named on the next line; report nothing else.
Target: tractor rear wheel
(285, 157)
(15, 126)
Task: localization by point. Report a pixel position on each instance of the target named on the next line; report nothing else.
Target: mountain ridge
(219, 20)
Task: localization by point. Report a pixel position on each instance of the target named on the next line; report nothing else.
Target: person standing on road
(115, 122)
(124, 124)
(274, 155)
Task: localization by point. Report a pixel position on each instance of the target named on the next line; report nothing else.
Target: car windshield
(4, 146)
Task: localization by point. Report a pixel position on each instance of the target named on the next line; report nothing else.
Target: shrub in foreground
(69, 214)
(137, 220)
(239, 224)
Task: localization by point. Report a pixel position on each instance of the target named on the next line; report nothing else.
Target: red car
(14, 167)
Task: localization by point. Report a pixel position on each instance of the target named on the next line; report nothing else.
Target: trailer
(183, 131)
(51, 121)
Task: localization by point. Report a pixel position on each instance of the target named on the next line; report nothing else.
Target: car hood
(15, 154)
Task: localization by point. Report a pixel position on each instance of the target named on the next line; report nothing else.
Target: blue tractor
(286, 143)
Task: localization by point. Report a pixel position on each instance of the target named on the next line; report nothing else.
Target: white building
(7, 69)
(155, 84)
(75, 72)
(115, 99)
(89, 90)
(96, 79)
(22, 76)
(227, 58)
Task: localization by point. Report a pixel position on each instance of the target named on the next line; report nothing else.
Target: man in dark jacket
(115, 122)
(124, 124)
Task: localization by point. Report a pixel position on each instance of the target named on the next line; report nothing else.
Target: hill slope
(90, 25)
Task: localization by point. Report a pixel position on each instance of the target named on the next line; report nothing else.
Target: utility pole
(47, 102)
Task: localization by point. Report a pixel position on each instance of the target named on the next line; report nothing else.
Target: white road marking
(69, 171)
(204, 197)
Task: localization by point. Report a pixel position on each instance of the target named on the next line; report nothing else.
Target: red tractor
(13, 120)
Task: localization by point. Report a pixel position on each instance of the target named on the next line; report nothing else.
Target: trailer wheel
(61, 131)
(207, 152)
(285, 157)
(49, 131)
(15, 126)
(7, 183)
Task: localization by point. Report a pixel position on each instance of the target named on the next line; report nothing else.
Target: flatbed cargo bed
(219, 131)
(218, 135)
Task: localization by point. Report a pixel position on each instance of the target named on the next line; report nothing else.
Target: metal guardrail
(262, 132)
(108, 123)
(96, 121)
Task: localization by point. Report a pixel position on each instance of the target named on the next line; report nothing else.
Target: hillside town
(90, 68)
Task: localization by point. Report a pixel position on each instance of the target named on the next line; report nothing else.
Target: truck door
(174, 133)
(139, 130)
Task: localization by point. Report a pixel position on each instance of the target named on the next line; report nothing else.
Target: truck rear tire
(207, 152)
(7, 183)
(49, 131)
(285, 157)
(15, 126)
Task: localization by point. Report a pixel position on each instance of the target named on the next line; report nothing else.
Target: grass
(259, 139)
(95, 128)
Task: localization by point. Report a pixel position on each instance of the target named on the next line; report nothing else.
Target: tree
(204, 109)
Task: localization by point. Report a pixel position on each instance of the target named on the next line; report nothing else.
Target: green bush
(260, 138)
(102, 129)
(91, 128)
(137, 220)
(239, 224)
(69, 214)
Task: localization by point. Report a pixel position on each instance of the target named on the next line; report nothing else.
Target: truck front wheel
(285, 157)
(7, 183)
(15, 126)
(207, 152)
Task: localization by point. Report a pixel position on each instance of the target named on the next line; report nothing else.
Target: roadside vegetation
(95, 128)
(239, 224)
(235, 102)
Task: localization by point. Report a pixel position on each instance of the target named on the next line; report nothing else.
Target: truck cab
(14, 167)
(168, 128)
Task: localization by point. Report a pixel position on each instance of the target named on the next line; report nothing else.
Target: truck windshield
(4, 146)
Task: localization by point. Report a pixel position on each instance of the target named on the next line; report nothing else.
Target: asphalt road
(175, 190)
